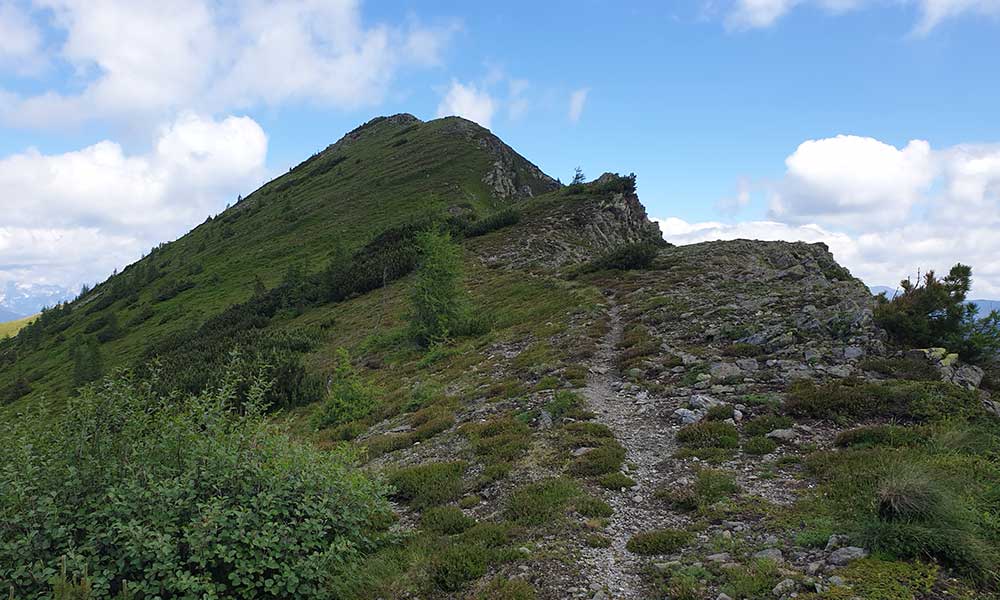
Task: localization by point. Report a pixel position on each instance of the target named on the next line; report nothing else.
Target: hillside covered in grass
(417, 367)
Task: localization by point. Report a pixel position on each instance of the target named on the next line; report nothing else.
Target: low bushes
(709, 434)
(902, 400)
(661, 541)
(423, 486)
(542, 502)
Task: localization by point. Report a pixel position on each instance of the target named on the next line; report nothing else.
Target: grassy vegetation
(661, 541)
(709, 434)
(10, 328)
(903, 400)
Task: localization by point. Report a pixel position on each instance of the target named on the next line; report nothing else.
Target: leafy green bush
(457, 564)
(903, 400)
(709, 434)
(712, 485)
(181, 498)
(720, 412)
(446, 519)
(423, 486)
(497, 220)
(755, 580)
(349, 398)
(596, 540)
(500, 439)
(607, 458)
(661, 541)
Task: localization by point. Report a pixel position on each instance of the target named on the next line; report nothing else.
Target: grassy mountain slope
(10, 328)
(389, 171)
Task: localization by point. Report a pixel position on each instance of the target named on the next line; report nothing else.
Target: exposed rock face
(575, 230)
(511, 176)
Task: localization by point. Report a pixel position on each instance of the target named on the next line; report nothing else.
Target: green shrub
(508, 589)
(607, 458)
(933, 312)
(181, 498)
(542, 502)
(438, 305)
(498, 220)
(638, 255)
(755, 580)
(349, 398)
(712, 485)
(902, 400)
(565, 404)
(615, 481)
(875, 579)
(709, 434)
(720, 412)
(759, 445)
(684, 499)
(661, 541)
(589, 506)
(501, 439)
(766, 424)
(916, 369)
(455, 565)
(445, 519)
(742, 350)
(423, 486)
(890, 436)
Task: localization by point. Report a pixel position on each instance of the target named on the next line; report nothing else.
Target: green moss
(607, 458)
(589, 506)
(661, 541)
(596, 540)
(755, 580)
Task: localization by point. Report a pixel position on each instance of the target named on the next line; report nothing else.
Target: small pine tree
(578, 176)
(438, 306)
(87, 362)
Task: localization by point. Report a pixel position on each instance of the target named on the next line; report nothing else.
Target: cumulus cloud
(754, 14)
(577, 100)
(468, 101)
(145, 60)
(79, 214)
(884, 212)
(852, 180)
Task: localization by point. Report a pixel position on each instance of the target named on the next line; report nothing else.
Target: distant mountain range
(985, 306)
(18, 300)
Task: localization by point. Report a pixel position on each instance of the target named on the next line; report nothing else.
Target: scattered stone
(748, 364)
(723, 596)
(783, 435)
(838, 581)
(845, 555)
(853, 352)
(703, 402)
(786, 586)
(837, 540)
(814, 567)
(581, 451)
(545, 420)
(720, 371)
(687, 416)
(770, 554)
(721, 557)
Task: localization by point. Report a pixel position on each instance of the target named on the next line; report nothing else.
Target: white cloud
(852, 180)
(754, 14)
(76, 216)
(20, 40)
(577, 100)
(145, 60)
(468, 101)
(734, 204)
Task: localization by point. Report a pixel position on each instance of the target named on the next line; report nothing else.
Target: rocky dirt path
(639, 425)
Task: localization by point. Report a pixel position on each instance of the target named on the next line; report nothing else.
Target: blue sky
(871, 125)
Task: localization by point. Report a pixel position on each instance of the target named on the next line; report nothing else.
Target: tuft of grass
(760, 445)
(597, 540)
(566, 404)
(720, 412)
(501, 588)
(765, 424)
(615, 481)
(660, 541)
(916, 369)
(607, 458)
(889, 436)
(710, 486)
(542, 502)
(755, 580)
(446, 519)
(455, 565)
(742, 350)
(709, 434)
(502, 439)
(423, 486)
(591, 507)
